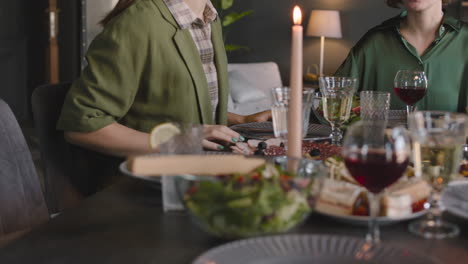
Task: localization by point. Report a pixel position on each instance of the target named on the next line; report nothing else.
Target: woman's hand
(217, 136)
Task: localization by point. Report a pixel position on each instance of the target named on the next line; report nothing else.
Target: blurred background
(43, 41)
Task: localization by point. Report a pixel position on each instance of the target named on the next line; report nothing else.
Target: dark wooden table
(126, 224)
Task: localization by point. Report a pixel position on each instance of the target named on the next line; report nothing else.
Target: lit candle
(295, 83)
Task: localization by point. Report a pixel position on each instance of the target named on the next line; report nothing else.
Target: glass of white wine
(337, 99)
(438, 138)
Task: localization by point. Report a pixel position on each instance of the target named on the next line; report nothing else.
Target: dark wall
(23, 49)
(13, 55)
(268, 31)
(37, 45)
(69, 39)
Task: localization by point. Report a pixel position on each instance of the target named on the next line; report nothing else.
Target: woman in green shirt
(421, 38)
(155, 61)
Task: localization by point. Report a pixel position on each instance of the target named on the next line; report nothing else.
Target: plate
(364, 220)
(306, 249)
(265, 129)
(455, 198)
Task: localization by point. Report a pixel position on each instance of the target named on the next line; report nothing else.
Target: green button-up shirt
(383, 51)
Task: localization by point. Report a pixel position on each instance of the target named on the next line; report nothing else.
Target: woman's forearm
(234, 119)
(114, 139)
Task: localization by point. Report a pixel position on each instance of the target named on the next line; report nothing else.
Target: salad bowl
(273, 198)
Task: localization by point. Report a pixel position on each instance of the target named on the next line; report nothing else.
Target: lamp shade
(324, 23)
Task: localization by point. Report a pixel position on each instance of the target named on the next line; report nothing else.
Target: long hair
(119, 8)
(397, 3)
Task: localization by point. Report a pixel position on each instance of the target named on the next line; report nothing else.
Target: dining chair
(22, 204)
(71, 173)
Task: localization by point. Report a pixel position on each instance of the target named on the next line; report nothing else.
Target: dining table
(126, 223)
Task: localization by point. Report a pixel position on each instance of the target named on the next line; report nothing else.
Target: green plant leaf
(216, 4)
(225, 4)
(234, 47)
(233, 17)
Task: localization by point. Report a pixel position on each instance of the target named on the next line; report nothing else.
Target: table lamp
(324, 23)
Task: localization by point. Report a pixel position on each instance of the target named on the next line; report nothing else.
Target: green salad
(268, 200)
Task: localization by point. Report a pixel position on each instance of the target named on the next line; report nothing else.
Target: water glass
(438, 138)
(280, 110)
(337, 99)
(374, 105)
(188, 141)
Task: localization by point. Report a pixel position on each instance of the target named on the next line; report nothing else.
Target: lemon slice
(162, 133)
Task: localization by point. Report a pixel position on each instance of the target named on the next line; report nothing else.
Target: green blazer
(144, 70)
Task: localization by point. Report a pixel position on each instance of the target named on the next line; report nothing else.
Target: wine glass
(438, 140)
(410, 87)
(337, 99)
(375, 157)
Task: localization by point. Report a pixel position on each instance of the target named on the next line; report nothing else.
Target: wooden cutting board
(192, 164)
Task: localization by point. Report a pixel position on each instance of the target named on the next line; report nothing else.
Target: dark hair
(397, 3)
(119, 8)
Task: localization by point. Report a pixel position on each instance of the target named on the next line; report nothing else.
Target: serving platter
(264, 130)
(364, 220)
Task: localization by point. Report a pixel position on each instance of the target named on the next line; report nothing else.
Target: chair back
(22, 204)
(70, 173)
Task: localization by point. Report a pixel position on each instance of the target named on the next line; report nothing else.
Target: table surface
(126, 224)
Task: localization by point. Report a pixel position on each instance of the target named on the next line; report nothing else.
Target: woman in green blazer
(143, 70)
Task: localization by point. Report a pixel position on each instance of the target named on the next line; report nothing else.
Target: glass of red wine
(410, 87)
(376, 158)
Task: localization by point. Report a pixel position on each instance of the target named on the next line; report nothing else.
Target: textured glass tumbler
(188, 141)
(280, 110)
(374, 105)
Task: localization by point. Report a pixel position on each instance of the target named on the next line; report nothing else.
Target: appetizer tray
(364, 220)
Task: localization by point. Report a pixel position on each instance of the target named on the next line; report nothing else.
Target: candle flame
(297, 15)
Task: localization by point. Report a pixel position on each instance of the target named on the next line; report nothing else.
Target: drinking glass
(337, 99)
(188, 141)
(280, 110)
(375, 157)
(374, 105)
(438, 138)
(410, 87)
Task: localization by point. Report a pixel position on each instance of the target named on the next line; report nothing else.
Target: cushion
(242, 89)
(250, 86)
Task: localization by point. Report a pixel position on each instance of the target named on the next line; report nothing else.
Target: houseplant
(229, 17)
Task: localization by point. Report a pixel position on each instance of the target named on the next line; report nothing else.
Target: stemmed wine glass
(337, 99)
(438, 140)
(410, 87)
(375, 157)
